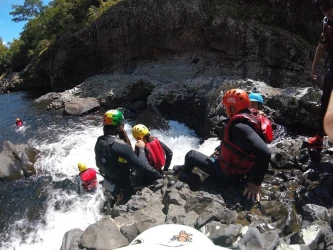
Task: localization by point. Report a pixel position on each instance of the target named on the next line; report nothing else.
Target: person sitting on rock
(243, 149)
(116, 159)
(88, 179)
(158, 154)
(19, 122)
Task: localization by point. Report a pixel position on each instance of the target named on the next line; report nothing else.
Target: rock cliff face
(132, 33)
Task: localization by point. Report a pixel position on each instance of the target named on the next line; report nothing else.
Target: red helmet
(235, 100)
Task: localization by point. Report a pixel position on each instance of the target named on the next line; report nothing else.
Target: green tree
(27, 11)
(4, 57)
(96, 11)
(15, 57)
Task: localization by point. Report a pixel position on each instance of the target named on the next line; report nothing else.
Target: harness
(155, 154)
(233, 159)
(108, 161)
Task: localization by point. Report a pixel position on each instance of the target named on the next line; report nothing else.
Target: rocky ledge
(295, 211)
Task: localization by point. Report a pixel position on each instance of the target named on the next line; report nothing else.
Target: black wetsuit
(246, 138)
(115, 158)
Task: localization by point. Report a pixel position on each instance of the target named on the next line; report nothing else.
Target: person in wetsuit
(115, 158)
(243, 150)
(158, 154)
(325, 45)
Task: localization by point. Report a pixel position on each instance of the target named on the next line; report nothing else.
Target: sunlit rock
(71, 239)
(97, 236)
(81, 106)
(284, 218)
(222, 234)
(254, 240)
(16, 161)
(292, 247)
(312, 234)
(313, 212)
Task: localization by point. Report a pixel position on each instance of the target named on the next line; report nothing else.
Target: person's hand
(314, 73)
(252, 191)
(140, 144)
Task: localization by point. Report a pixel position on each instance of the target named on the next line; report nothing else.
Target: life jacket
(265, 124)
(19, 123)
(232, 158)
(89, 180)
(328, 34)
(155, 154)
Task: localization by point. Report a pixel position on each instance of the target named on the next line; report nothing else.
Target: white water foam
(59, 159)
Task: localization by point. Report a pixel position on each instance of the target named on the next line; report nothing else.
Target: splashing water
(66, 210)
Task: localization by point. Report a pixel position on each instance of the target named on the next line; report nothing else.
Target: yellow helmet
(82, 166)
(140, 131)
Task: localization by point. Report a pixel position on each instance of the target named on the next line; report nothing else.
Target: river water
(36, 212)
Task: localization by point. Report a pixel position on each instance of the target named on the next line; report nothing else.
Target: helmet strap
(232, 110)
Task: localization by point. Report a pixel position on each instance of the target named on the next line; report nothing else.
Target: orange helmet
(235, 100)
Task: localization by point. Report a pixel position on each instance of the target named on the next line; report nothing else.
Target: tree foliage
(4, 60)
(44, 24)
(30, 9)
(96, 12)
(62, 17)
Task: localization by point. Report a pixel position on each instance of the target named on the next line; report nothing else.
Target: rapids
(37, 211)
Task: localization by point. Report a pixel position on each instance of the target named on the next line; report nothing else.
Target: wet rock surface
(17, 161)
(195, 102)
(295, 211)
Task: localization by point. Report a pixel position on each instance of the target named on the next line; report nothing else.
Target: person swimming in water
(19, 122)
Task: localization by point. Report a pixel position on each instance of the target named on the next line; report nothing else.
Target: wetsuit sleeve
(139, 162)
(246, 138)
(168, 156)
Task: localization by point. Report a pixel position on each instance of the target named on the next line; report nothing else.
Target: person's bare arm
(320, 51)
(328, 119)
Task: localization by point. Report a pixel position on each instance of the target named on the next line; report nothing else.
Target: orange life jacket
(233, 159)
(155, 154)
(89, 180)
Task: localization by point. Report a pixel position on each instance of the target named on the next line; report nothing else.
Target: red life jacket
(265, 124)
(233, 159)
(89, 180)
(155, 154)
(19, 123)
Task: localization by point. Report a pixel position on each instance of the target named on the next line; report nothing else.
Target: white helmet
(171, 235)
